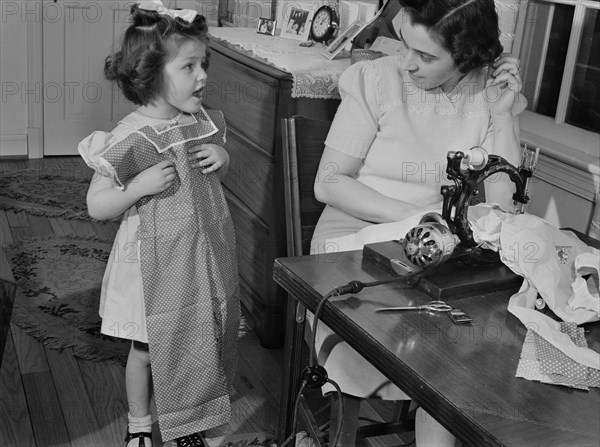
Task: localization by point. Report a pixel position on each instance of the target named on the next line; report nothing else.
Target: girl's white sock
(140, 424)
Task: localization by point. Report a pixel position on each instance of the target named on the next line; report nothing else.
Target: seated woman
(385, 155)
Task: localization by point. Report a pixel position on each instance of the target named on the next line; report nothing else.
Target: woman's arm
(500, 189)
(335, 186)
(503, 91)
(106, 201)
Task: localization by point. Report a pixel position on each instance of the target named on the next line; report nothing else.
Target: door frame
(35, 79)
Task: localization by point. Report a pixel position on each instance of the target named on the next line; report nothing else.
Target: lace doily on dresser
(314, 76)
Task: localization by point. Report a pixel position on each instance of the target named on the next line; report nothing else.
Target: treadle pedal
(314, 415)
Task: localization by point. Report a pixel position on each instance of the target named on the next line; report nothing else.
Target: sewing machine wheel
(429, 243)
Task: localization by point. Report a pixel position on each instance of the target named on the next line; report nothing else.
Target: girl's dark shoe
(140, 436)
(194, 440)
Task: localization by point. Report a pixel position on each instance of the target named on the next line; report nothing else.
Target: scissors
(435, 306)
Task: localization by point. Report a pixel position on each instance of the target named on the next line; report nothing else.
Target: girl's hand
(210, 157)
(155, 179)
(503, 85)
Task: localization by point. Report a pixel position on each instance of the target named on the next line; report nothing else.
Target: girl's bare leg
(138, 380)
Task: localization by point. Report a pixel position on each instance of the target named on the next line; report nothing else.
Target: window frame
(565, 142)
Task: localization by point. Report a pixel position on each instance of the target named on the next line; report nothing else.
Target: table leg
(292, 364)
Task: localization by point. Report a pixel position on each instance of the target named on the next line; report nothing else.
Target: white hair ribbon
(156, 5)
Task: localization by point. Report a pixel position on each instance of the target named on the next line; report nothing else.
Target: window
(560, 54)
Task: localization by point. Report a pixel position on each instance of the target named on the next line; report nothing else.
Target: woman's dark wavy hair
(468, 29)
(138, 66)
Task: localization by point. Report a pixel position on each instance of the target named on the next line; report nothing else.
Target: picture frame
(338, 44)
(296, 25)
(266, 26)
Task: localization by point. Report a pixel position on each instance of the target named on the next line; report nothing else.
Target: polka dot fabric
(189, 275)
(542, 361)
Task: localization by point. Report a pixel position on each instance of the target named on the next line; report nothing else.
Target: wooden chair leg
(349, 423)
(401, 410)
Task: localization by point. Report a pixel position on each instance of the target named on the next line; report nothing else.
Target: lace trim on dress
(467, 100)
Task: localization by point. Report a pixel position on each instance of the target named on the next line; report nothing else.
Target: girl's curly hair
(468, 29)
(138, 66)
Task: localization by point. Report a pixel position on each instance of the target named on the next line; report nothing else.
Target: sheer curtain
(508, 13)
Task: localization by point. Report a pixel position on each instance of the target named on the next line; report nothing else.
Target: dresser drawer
(250, 175)
(254, 251)
(246, 97)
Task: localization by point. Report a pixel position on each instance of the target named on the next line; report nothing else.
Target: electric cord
(297, 406)
(315, 376)
(351, 287)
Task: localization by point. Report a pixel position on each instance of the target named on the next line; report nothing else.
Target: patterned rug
(256, 439)
(244, 440)
(58, 292)
(262, 439)
(45, 193)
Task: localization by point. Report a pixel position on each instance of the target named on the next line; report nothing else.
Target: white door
(78, 35)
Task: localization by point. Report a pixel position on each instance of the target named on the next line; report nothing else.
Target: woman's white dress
(402, 135)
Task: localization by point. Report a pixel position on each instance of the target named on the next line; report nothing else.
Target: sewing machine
(439, 255)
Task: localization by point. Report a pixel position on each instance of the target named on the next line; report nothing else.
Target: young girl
(171, 283)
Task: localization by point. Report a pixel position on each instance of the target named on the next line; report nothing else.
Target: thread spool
(476, 158)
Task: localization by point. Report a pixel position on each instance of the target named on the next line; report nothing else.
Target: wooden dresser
(254, 96)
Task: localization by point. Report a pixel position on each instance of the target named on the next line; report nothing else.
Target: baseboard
(14, 145)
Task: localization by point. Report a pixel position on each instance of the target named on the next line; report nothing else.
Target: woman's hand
(505, 62)
(155, 179)
(211, 157)
(503, 85)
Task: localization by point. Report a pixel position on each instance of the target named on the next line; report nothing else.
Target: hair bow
(156, 5)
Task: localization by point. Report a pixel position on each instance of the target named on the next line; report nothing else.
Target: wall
(566, 195)
(561, 207)
(209, 9)
(13, 76)
(245, 13)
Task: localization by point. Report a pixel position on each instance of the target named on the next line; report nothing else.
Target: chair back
(303, 144)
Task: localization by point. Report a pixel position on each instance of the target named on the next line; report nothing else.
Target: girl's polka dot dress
(189, 274)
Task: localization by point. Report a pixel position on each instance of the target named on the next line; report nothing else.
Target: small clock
(324, 24)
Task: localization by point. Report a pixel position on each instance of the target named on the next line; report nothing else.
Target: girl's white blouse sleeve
(91, 149)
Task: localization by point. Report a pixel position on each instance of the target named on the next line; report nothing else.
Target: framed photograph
(343, 38)
(297, 24)
(266, 26)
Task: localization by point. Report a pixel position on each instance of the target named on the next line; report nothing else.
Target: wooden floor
(51, 398)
